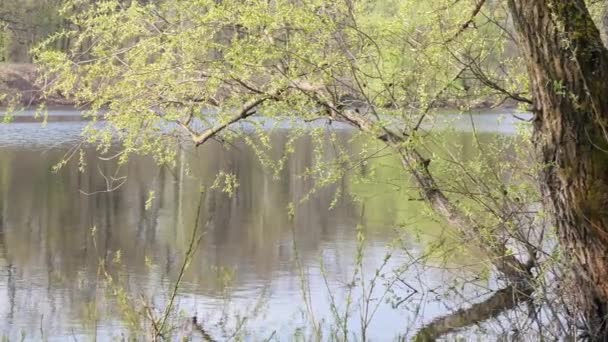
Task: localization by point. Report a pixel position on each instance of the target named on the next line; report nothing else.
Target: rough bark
(568, 67)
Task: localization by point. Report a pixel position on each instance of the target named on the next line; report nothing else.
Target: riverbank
(18, 86)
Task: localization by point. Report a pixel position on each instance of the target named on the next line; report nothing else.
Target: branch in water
(503, 300)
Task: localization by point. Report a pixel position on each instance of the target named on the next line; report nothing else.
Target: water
(253, 261)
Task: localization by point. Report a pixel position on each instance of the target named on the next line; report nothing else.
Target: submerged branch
(501, 301)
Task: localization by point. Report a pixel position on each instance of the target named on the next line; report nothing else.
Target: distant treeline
(24, 23)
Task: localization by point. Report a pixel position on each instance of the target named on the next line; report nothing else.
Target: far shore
(18, 87)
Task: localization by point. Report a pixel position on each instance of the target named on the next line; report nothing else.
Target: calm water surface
(253, 261)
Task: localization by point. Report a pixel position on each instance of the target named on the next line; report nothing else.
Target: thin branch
(194, 242)
(247, 111)
(468, 23)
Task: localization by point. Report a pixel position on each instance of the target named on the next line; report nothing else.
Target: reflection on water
(49, 280)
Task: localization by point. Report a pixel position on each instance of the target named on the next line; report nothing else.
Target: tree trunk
(568, 67)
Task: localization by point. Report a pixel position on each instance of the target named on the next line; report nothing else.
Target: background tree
(25, 24)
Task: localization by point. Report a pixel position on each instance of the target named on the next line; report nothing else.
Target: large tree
(568, 67)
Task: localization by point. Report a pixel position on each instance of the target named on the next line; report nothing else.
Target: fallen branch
(501, 301)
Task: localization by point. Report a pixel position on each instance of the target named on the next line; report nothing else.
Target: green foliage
(161, 69)
(166, 72)
(161, 73)
(24, 23)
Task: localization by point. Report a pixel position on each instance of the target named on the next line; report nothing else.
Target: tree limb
(506, 263)
(467, 23)
(501, 301)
